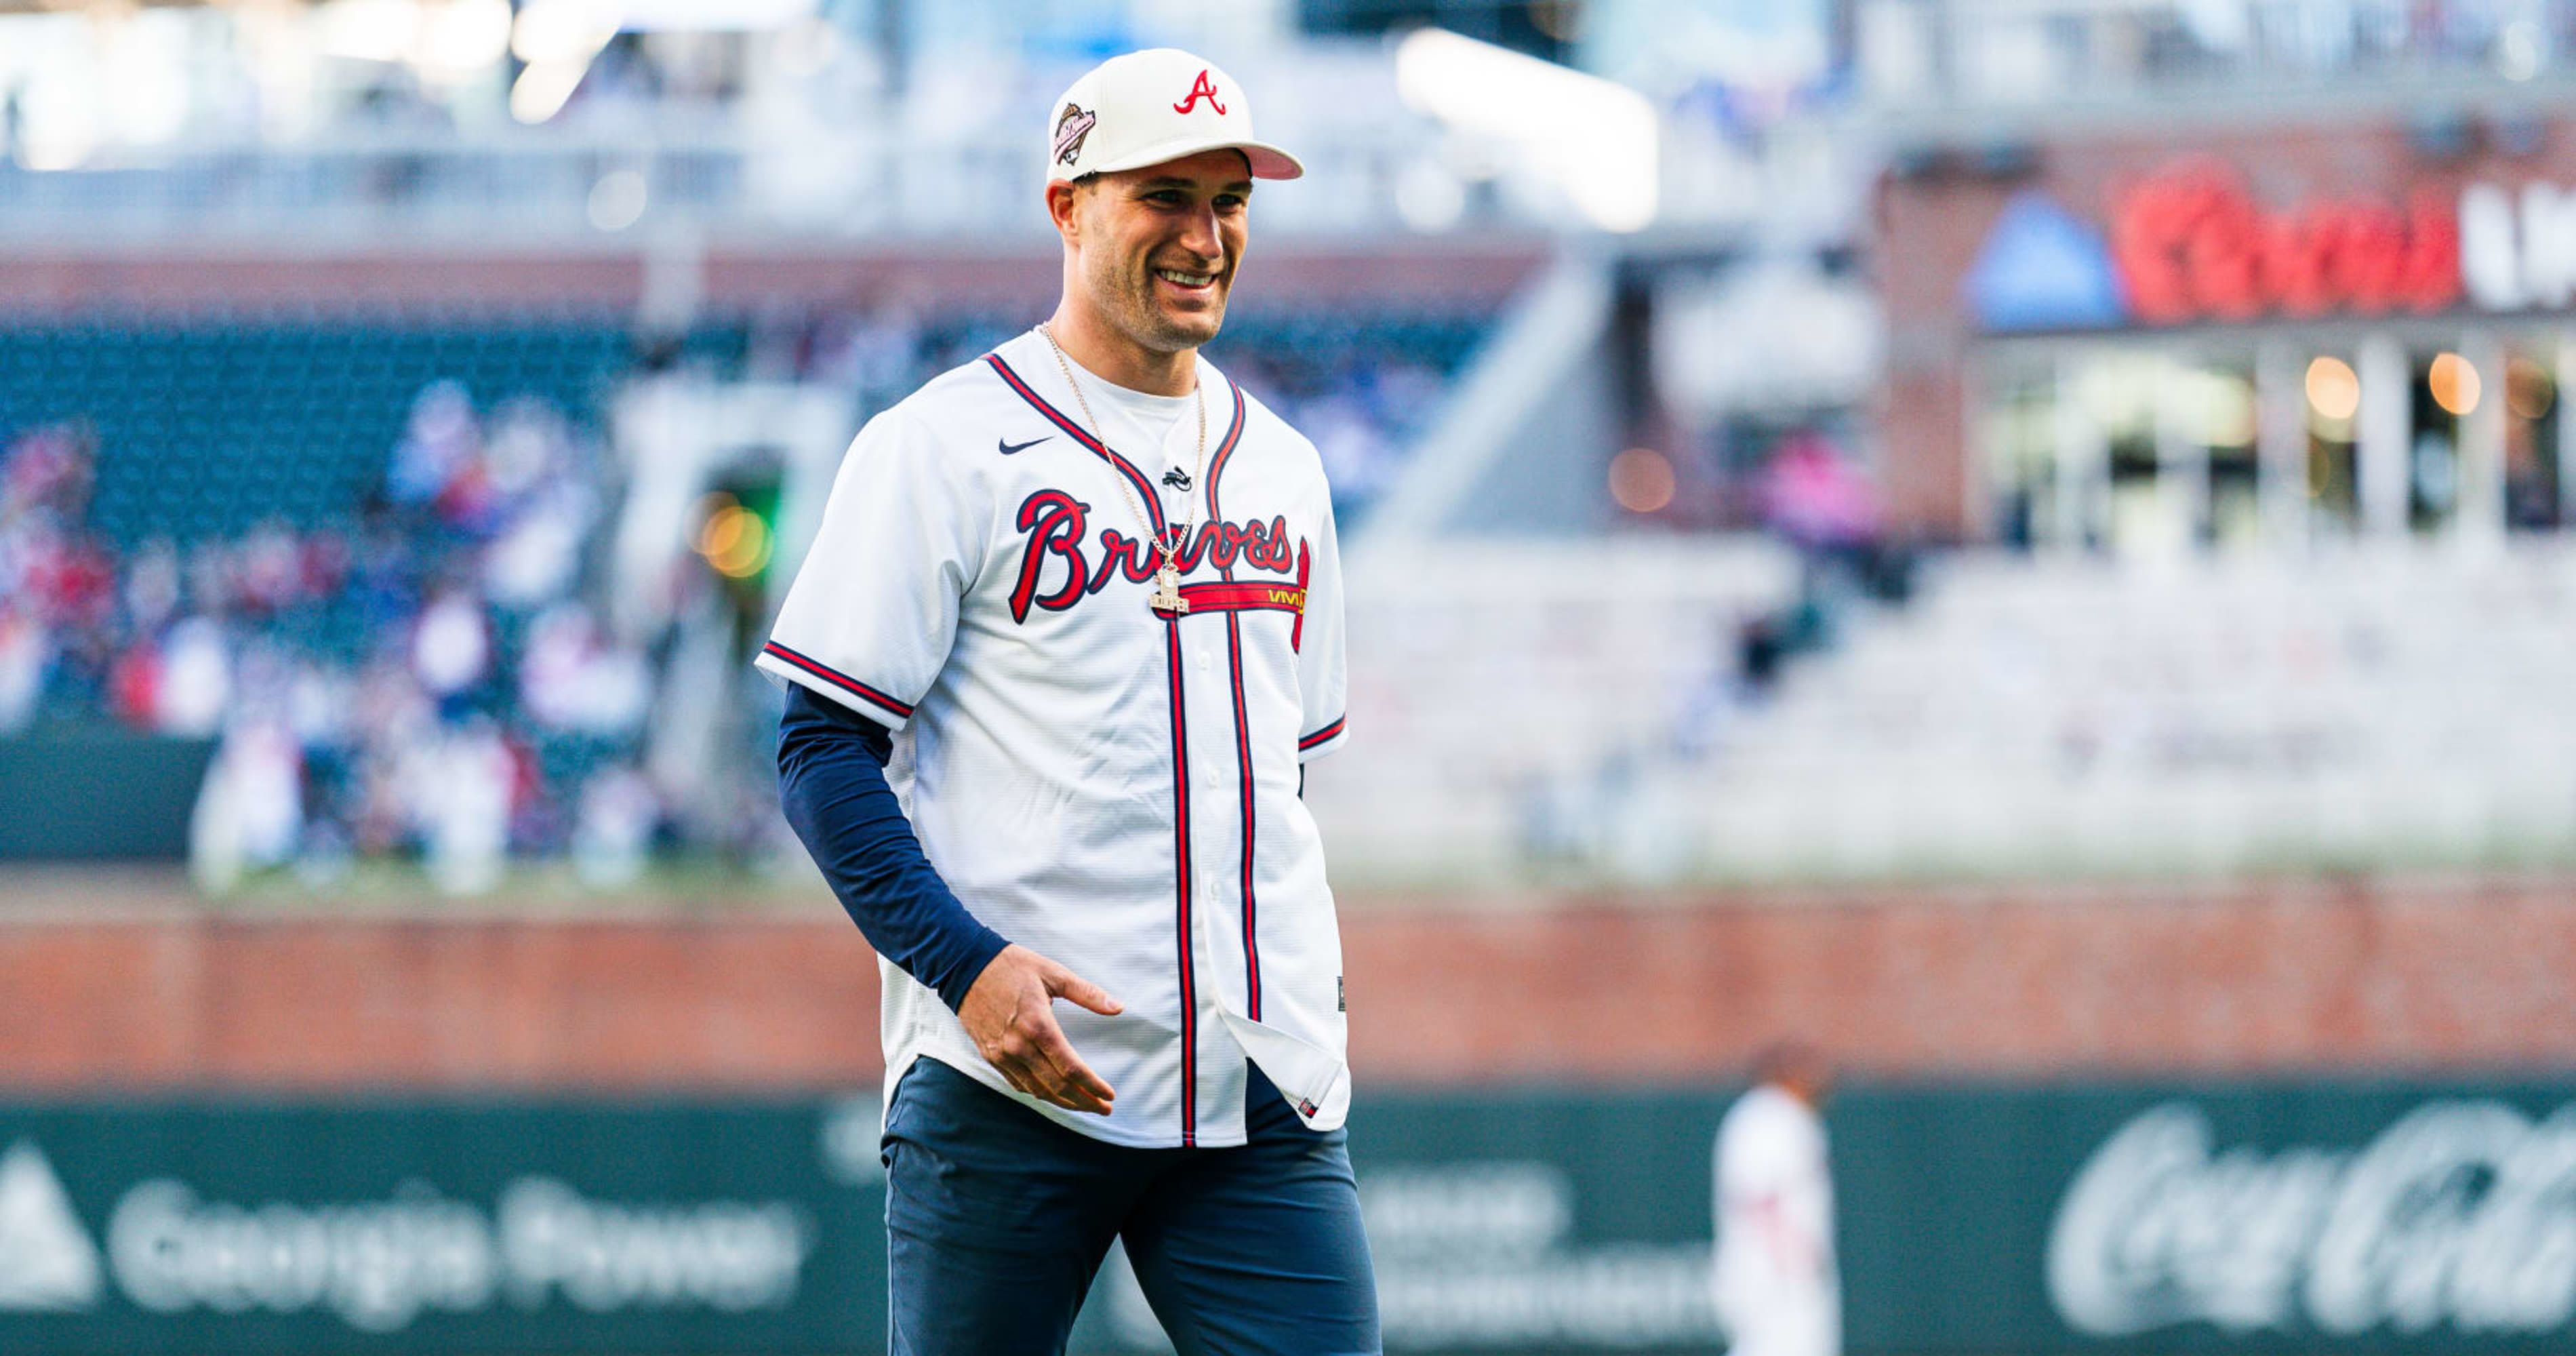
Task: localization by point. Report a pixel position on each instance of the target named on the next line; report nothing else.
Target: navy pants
(997, 1219)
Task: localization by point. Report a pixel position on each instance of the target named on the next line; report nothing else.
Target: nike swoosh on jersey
(1009, 448)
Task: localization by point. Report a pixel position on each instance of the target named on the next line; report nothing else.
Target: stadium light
(368, 30)
(445, 40)
(1595, 138)
(558, 39)
(750, 16)
(461, 39)
(548, 32)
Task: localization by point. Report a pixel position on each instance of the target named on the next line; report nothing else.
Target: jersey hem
(1081, 1123)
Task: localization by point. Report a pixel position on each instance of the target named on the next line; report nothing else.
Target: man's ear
(1063, 208)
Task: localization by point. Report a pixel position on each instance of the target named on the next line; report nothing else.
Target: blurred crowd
(425, 676)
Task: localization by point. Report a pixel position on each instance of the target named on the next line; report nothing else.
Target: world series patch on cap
(1149, 107)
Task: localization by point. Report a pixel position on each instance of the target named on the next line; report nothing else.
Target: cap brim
(1268, 161)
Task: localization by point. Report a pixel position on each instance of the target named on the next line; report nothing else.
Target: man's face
(1159, 246)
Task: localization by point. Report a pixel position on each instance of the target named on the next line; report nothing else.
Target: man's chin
(1187, 330)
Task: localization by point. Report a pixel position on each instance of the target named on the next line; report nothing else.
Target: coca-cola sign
(2518, 246)
(2190, 243)
(2461, 1215)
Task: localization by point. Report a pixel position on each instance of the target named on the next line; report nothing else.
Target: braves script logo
(1071, 126)
(1058, 528)
(1200, 90)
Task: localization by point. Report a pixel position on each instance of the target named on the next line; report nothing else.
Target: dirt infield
(124, 981)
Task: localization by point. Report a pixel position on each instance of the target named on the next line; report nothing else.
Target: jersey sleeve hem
(1323, 741)
(874, 703)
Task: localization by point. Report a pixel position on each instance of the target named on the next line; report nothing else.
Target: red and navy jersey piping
(1242, 725)
(843, 681)
(1243, 761)
(1324, 735)
(1224, 453)
(1181, 886)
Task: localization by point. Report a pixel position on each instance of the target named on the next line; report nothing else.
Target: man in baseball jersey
(1778, 1290)
(1069, 631)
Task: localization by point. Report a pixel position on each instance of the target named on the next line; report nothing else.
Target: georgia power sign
(476, 1227)
(377, 1265)
(47, 1261)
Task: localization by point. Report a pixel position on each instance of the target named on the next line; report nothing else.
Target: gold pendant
(1167, 591)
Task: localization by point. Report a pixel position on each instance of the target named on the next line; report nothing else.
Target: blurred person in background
(1816, 499)
(22, 665)
(57, 582)
(1778, 1290)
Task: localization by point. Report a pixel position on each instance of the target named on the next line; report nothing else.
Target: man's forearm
(832, 785)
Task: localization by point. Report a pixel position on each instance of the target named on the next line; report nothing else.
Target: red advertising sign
(2191, 244)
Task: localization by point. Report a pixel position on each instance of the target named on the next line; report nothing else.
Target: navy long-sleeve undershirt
(832, 784)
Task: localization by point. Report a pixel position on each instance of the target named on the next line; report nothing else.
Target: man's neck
(1113, 357)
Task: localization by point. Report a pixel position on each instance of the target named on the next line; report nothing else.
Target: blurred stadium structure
(2022, 540)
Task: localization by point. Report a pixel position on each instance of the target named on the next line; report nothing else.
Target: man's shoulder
(966, 390)
(954, 412)
(1266, 428)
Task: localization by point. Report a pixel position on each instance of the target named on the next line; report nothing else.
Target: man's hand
(1010, 1012)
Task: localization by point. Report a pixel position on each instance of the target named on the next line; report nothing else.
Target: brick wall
(2354, 975)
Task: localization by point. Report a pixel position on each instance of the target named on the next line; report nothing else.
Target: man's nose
(1199, 236)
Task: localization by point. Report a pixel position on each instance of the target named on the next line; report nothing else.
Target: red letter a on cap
(1198, 91)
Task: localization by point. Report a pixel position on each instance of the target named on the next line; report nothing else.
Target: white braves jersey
(1776, 1285)
(1109, 785)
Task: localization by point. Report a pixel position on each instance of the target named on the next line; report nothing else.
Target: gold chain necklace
(1166, 596)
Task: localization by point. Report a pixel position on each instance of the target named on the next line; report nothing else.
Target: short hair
(1790, 1058)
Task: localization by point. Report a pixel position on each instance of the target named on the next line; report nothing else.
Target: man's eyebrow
(1238, 187)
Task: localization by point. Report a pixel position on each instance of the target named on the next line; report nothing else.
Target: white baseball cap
(1148, 107)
